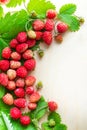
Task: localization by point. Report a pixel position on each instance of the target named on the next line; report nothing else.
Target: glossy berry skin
(62, 27)
(15, 56)
(29, 90)
(3, 1)
(20, 48)
(22, 72)
(14, 64)
(19, 92)
(20, 102)
(38, 35)
(4, 65)
(3, 79)
(13, 43)
(52, 105)
(15, 113)
(11, 74)
(35, 97)
(47, 37)
(8, 99)
(22, 37)
(30, 80)
(30, 64)
(28, 54)
(11, 85)
(25, 120)
(32, 106)
(49, 25)
(6, 53)
(38, 25)
(31, 42)
(51, 14)
(20, 83)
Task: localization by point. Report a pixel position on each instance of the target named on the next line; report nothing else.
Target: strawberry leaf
(60, 127)
(2, 124)
(2, 91)
(1, 11)
(45, 126)
(13, 3)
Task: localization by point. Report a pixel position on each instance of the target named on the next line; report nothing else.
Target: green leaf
(14, 3)
(67, 9)
(40, 6)
(2, 124)
(45, 126)
(60, 127)
(55, 116)
(1, 11)
(2, 91)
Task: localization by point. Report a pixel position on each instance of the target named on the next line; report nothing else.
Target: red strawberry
(21, 47)
(47, 37)
(6, 53)
(62, 27)
(32, 106)
(49, 25)
(20, 83)
(35, 97)
(13, 43)
(11, 85)
(8, 99)
(31, 43)
(3, 1)
(31, 34)
(38, 25)
(38, 35)
(15, 113)
(14, 64)
(22, 72)
(52, 105)
(4, 65)
(51, 14)
(59, 38)
(28, 54)
(15, 56)
(19, 92)
(30, 64)
(25, 120)
(20, 102)
(3, 79)
(22, 37)
(11, 74)
(30, 80)
(29, 90)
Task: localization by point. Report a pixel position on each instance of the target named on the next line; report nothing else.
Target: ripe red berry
(38, 35)
(30, 64)
(22, 72)
(29, 90)
(32, 106)
(14, 64)
(47, 37)
(15, 56)
(35, 97)
(28, 54)
(49, 25)
(19, 92)
(4, 65)
(52, 105)
(20, 48)
(13, 43)
(51, 14)
(3, 1)
(8, 99)
(20, 83)
(31, 42)
(11, 85)
(15, 113)
(25, 120)
(30, 80)
(22, 37)
(11, 74)
(59, 38)
(6, 53)
(20, 102)
(3, 79)
(38, 25)
(62, 27)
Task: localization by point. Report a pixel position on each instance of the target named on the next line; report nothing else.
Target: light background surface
(63, 71)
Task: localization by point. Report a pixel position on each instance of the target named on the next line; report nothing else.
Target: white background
(63, 71)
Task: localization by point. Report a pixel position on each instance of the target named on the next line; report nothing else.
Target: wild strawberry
(11, 85)
(28, 54)
(32, 106)
(31, 34)
(59, 38)
(11, 74)
(22, 72)
(19, 92)
(25, 120)
(29, 90)
(35, 97)
(30, 80)
(38, 25)
(20, 83)
(49, 25)
(3, 1)
(51, 14)
(21, 47)
(15, 113)
(47, 37)
(14, 64)
(38, 35)
(8, 99)
(13, 43)
(62, 27)
(15, 56)
(20, 102)
(22, 37)
(31, 43)
(6, 53)
(52, 105)
(3, 79)
(30, 64)
(4, 65)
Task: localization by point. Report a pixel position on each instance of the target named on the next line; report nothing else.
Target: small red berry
(59, 38)
(8, 99)
(15, 113)
(15, 56)
(52, 105)
(25, 120)
(20, 83)
(30, 64)
(49, 25)
(13, 43)
(11, 74)
(35, 97)
(14, 64)
(22, 37)
(32, 106)
(31, 43)
(11, 85)
(47, 37)
(38, 35)
(31, 34)
(38, 25)
(4, 65)
(28, 54)
(62, 27)
(19, 92)
(20, 102)
(22, 72)
(30, 80)
(6, 53)
(29, 90)
(51, 14)
(21, 47)
(3, 1)
(3, 79)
